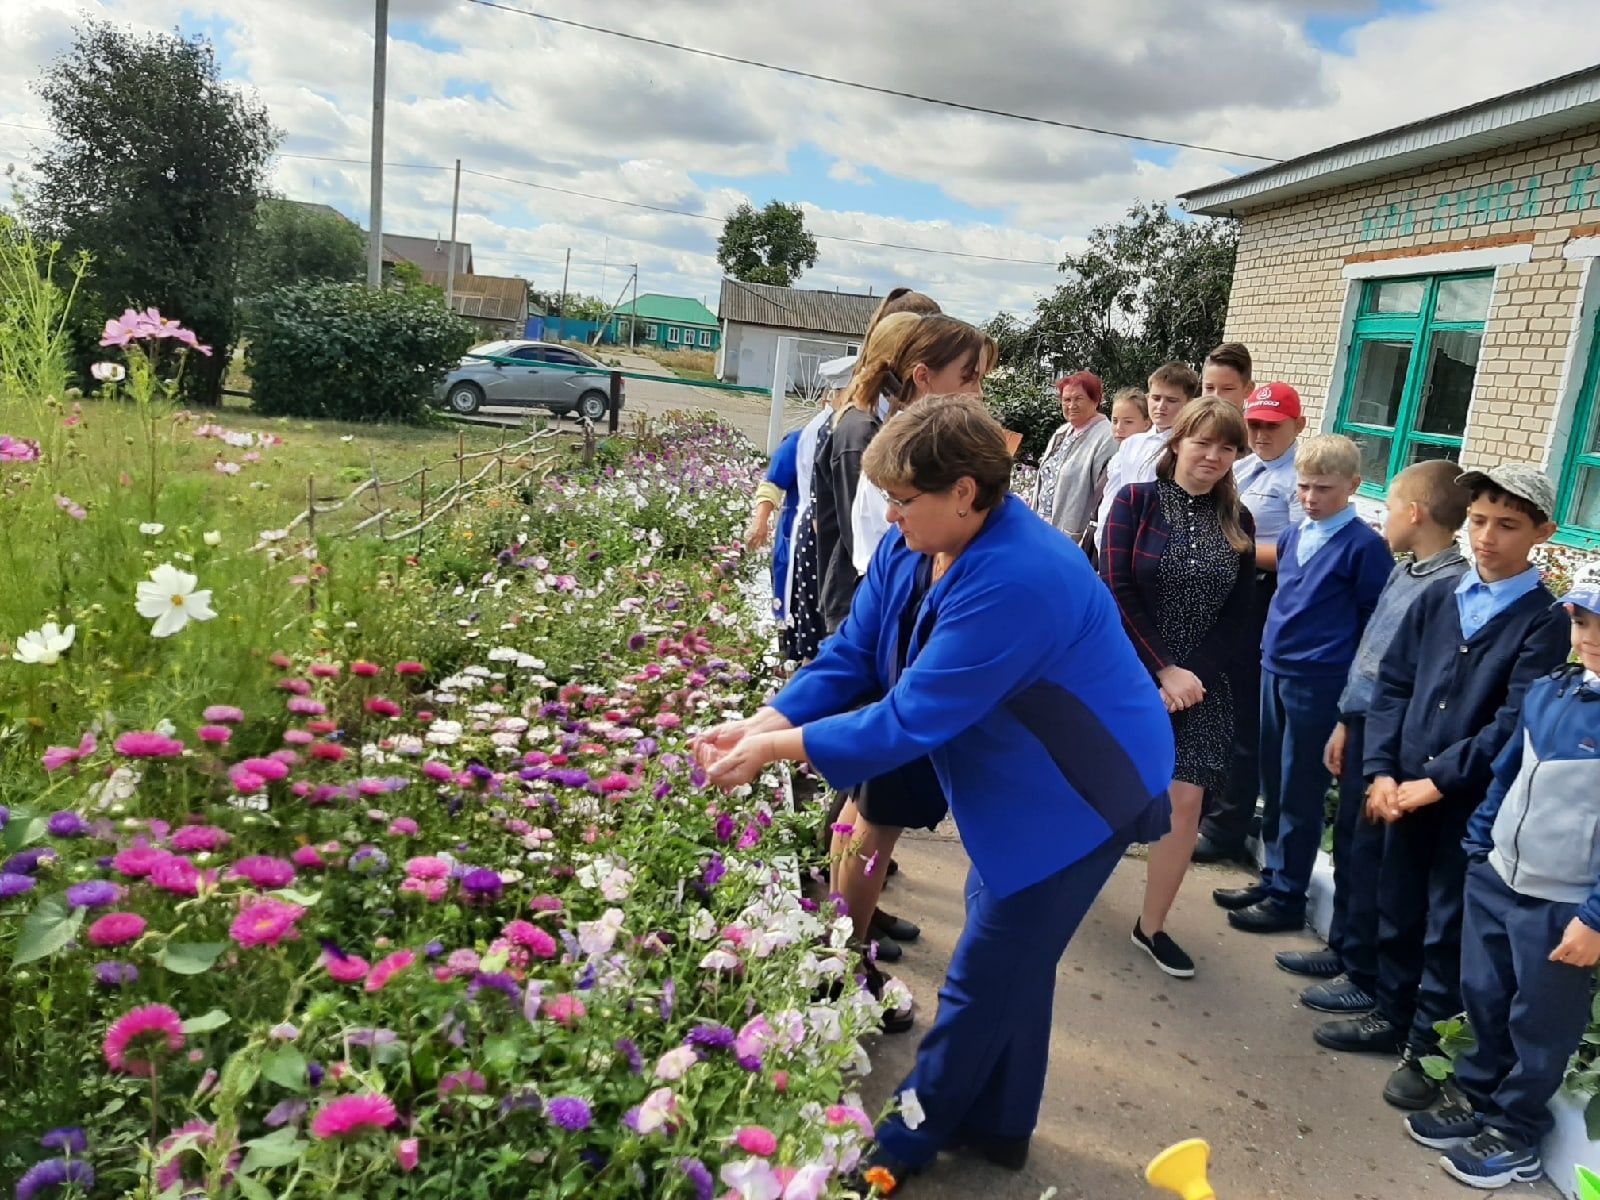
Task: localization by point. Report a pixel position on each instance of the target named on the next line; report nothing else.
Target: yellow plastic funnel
(1182, 1169)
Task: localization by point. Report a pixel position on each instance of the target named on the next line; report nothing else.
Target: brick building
(1432, 290)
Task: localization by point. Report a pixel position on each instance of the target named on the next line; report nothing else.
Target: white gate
(796, 373)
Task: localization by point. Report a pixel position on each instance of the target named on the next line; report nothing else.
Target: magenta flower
(364, 669)
(18, 449)
(223, 714)
(407, 667)
(265, 922)
(347, 968)
(303, 706)
(406, 1153)
(426, 866)
(756, 1139)
(215, 734)
(264, 871)
(388, 969)
(146, 744)
(565, 1010)
(56, 757)
(271, 769)
(114, 929)
(352, 1115)
(138, 861)
(141, 1036)
(190, 838)
(176, 874)
(72, 508)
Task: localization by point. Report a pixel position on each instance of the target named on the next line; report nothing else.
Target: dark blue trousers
(1357, 857)
(1297, 717)
(1528, 1013)
(1420, 889)
(980, 1070)
(1228, 813)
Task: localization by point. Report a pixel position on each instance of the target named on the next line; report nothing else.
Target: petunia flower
(170, 599)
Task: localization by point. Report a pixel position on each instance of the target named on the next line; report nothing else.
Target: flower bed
(413, 890)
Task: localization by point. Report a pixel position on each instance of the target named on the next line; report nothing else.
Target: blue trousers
(1420, 889)
(1297, 717)
(1528, 1013)
(980, 1070)
(1357, 856)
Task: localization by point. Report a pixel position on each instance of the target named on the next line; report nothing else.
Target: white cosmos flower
(212, 537)
(45, 645)
(151, 528)
(169, 599)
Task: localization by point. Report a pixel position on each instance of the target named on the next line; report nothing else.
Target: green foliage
(294, 243)
(1455, 1038)
(1149, 289)
(35, 312)
(770, 246)
(339, 350)
(155, 173)
(1024, 402)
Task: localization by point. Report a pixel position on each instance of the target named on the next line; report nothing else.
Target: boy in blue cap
(1530, 934)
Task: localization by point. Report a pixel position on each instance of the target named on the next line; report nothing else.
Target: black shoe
(898, 1020)
(878, 1174)
(894, 869)
(1410, 1086)
(1237, 898)
(1339, 996)
(1268, 916)
(1208, 851)
(1445, 1128)
(1371, 1034)
(887, 950)
(1168, 955)
(890, 926)
(1008, 1152)
(1315, 964)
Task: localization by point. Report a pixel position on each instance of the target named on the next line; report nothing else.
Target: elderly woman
(1074, 461)
(1000, 656)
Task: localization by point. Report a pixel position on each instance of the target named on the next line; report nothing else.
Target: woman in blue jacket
(1001, 657)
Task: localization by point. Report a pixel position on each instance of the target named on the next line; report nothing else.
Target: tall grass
(37, 291)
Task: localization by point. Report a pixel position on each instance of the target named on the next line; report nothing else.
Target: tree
(156, 173)
(297, 243)
(770, 246)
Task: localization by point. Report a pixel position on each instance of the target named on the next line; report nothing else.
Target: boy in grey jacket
(1530, 934)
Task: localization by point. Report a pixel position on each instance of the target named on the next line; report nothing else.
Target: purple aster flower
(704, 1186)
(646, 747)
(54, 1173)
(697, 776)
(497, 981)
(15, 885)
(749, 1062)
(5, 816)
(93, 893)
(522, 1100)
(482, 882)
(66, 824)
(630, 1051)
(710, 1037)
(314, 1073)
(433, 949)
(662, 790)
(69, 1139)
(286, 1112)
(114, 974)
(587, 979)
(369, 860)
(27, 862)
(669, 995)
(636, 642)
(569, 1113)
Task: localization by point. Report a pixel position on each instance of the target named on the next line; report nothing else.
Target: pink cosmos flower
(388, 969)
(140, 1036)
(756, 1139)
(353, 1114)
(223, 714)
(145, 744)
(18, 449)
(406, 1154)
(349, 969)
(265, 922)
(426, 866)
(565, 1009)
(72, 508)
(56, 757)
(115, 929)
(264, 871)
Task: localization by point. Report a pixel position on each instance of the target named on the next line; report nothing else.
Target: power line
(872, 87)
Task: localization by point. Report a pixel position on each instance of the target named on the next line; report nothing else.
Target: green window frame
(1578, 494)
(1415, 338)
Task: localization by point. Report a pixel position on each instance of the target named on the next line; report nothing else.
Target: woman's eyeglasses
(891, 502)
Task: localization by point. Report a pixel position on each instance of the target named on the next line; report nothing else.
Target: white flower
(274, 535)
(597, 937)
(349, 437)
(702, 926)
(212, 537)
(151, 528)
(240, 440)
(45, 645)
(911, 1109)
(751, 1179)
(720, 960)
(674, 1063)
(169, 599)
(109, 372)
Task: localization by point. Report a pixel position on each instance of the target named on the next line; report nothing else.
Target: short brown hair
(1235, 355)
(901, 300)
(937, 442)
(1133, 396)
(1433, 485)
(1498, 495)
(1179, 375)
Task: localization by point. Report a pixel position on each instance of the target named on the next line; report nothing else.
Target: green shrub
(1024, 403)
(338, 350)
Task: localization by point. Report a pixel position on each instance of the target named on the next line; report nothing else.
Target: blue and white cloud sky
(520, 97)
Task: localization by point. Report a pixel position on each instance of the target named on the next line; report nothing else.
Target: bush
(1024, 403)
(340, 351)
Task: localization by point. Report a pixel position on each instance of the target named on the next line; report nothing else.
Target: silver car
(536, 380)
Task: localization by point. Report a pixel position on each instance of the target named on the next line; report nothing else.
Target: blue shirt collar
(1503, 590)
(1328, 526)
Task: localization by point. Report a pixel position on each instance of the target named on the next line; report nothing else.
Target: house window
(650, 331)
(1413, 358)
(672, 336)
(1578, 502)
(705, 337)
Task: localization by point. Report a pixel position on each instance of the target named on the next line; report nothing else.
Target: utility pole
(380, 69)
(561, 306)
(633, 325)
(450, 270)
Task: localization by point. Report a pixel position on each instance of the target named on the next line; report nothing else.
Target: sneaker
(1492, 1160)
(1340, 996)
(1371, 1034)
(1234, 898)
(1445, 1128)
(1316, 964)
(1410, 1086)
(1168, 955)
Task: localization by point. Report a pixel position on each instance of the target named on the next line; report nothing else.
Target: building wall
(750, 354)
(1289, 292)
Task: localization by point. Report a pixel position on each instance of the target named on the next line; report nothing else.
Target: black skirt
(908, 797)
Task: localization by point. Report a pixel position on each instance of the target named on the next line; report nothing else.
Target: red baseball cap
(1273, 402)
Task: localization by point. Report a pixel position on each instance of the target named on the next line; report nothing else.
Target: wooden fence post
(500, 462)
(377, 491)
(422, 507)
(311, 538)
(614, 414)
(461, 467)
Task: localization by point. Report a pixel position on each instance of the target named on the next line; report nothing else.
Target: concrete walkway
(1140, 1060)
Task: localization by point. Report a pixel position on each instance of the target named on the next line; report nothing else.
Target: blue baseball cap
(1585, 589)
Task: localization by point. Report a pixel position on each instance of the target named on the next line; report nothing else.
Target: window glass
(1396, 295)
(1463, 298)
(1381, 368)
(1452, 366)
(1375, 453)
(530, 353)
(562, 356)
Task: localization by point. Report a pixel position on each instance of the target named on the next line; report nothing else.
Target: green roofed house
(672, 322)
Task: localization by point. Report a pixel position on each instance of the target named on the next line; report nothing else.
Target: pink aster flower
(388, 969)
(406, 1153)
(364, 669)
(846, 1114)
(327, 752)
(145, 744)
(402, 827)
(214, 734)
(298, 737)
(300, 687)
(434, 769)
(667, 720)
(565, 1009)
(138, 861)
(467, 1080)
(426, 866)
(264, 871)
(352, 1115)
(56, 757)
(177, 875)
(350, 968)
(462, 962)
(194, 1136)
(408, 667)
(271, 768)
(223, 714)
(140, 1036)
(305, 707)
(325, 670)
(265, 922)
(308, 857)
(115, 929)
(756, 1139)
(529, 936)
(190, 838)
(382, 706)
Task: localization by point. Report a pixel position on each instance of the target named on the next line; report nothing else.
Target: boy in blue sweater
(1331, 569)
(1530, 937)
(1449, 690)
